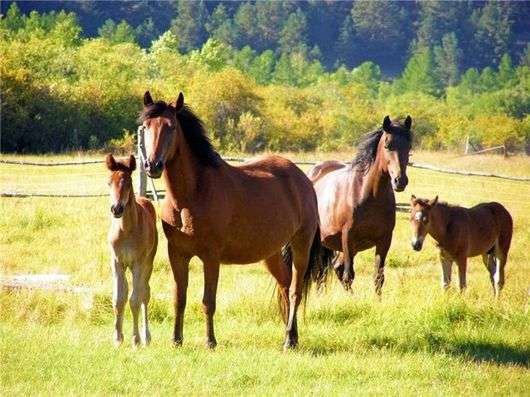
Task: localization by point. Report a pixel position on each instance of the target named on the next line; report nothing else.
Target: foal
(133, 240)
(485, 229)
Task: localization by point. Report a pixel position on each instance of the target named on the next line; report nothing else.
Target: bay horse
(356, 201)
(230, 214)
(133, 241)
(460, 233)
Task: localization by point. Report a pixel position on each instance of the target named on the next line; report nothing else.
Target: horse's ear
(110, 162)
(408, 122)
(433, 202)
(180, 102)
(147, 99)
(412, 198)
(386, 124)
(132, 163)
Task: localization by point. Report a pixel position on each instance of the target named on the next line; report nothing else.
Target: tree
(345, 44)
(447, 57)
(506, 75)
(419, 74)
(262, 67)
(189, 24)
(293, 34)
(120, 33)
(220, 26)
(368, 74)
(493, 31)
(14, 20)
(246, 23)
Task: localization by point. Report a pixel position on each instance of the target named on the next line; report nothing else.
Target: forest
(283, 75)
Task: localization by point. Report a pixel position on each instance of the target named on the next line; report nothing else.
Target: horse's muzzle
(399, 183)
(116, 210)
(154, 168)
(417, 245)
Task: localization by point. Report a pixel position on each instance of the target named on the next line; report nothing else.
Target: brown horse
(133, 240)
(227, 214)
(485, 229)
(356, 202)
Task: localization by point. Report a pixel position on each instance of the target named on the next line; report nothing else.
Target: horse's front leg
(140, 296)
(119, 298)
(381, 250)
(462, 270)
(211, 278)
(180, 268)
(447, 263)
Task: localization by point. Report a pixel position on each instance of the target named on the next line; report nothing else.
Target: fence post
(142, 177)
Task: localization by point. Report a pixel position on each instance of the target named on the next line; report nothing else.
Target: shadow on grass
(476, 351)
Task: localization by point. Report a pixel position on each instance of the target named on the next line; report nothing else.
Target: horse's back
(320, 169)
(147, 206)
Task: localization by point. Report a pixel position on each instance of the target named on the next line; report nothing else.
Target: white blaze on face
(418, 216)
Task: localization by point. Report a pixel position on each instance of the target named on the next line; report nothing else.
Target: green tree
(293, 34)
(221, 27)
(493, 32)
(246, 23)
(506, 76)
(447, 57)
(262, 67)
(13, 20)
(189, 23)
(120, 33)
(368, 74)
(419, 74)
(345, 45)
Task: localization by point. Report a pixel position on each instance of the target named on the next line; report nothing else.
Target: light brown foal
(133, 240)
(461, 233)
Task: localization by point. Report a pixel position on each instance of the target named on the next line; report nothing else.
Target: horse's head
(120, 183)
(420, 219)
(162, 133)
(396, 141)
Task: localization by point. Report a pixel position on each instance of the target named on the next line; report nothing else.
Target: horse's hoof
(118, 340)
(289, 345)
(136, 341)
(177, 342)
(211, 344)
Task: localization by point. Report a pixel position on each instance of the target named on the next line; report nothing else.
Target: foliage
(62, 91)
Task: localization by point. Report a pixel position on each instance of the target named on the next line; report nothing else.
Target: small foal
(485, 229)
(133, 240)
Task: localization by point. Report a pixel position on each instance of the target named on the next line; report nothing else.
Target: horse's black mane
(192, 128)
(367, 147)
(367, 150)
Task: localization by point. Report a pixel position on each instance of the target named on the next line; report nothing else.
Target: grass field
(417, 340)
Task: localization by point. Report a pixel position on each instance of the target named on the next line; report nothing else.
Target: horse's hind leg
(119, 298)
(501, 256)
(301, 246)
(381, 250)
(489, 262)
(282, 274)
(447, 263)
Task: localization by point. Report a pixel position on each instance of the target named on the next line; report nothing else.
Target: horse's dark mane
(192, 128)
(367, 147)
(367, 150)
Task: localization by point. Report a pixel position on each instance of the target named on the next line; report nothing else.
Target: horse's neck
(376, 182)
(440, 217)
(129, 219)
(182, 176)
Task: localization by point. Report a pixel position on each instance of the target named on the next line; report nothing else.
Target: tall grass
(417, 340)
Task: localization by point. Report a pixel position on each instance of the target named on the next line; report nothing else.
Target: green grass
(417, 340)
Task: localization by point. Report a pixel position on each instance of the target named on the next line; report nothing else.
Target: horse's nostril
(112, 207)
(158, 164)
(146, 164)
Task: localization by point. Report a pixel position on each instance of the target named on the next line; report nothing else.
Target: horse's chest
(126, 251)
(373, 220)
